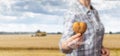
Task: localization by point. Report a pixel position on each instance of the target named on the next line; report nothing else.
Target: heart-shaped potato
(79, 27)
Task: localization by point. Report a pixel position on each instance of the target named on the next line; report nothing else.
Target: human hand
(72, 42)
(105, 52)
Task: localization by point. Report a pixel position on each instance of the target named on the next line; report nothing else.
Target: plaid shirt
(92, 38)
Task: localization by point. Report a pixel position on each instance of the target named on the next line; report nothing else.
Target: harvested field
(25, 45)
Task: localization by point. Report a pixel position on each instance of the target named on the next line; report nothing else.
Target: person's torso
(93, 36)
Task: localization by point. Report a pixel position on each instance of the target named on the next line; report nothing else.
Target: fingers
(74, 37)
(74, 44)
(79, 42)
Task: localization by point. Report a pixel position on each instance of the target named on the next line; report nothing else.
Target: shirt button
(97, 29)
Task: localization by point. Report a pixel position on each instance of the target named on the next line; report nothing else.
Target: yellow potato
(79, 27)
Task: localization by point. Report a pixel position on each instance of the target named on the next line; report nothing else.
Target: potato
(79, 27)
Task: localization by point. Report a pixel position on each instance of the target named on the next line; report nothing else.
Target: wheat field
(25, 45)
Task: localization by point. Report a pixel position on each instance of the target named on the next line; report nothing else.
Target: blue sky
(47, 15)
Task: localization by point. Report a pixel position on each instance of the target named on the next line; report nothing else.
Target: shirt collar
(82, 8)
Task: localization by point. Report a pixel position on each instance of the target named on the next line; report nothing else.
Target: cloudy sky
(47, 15)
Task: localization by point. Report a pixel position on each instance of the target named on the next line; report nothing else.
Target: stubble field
(25, 45)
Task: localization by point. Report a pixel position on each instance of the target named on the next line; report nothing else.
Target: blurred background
(34, 27)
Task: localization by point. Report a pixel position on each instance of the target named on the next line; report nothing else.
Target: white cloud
(105, 4)
(28, 14)
(30, 28)
(43, 18)
(111, 23)
(43, 14)
(8, 3)
(7, 18)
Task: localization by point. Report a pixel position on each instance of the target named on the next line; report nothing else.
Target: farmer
(89, 43)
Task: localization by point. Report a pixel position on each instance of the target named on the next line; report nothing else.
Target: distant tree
(38, 31)
(110, 32)
(59, 33)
